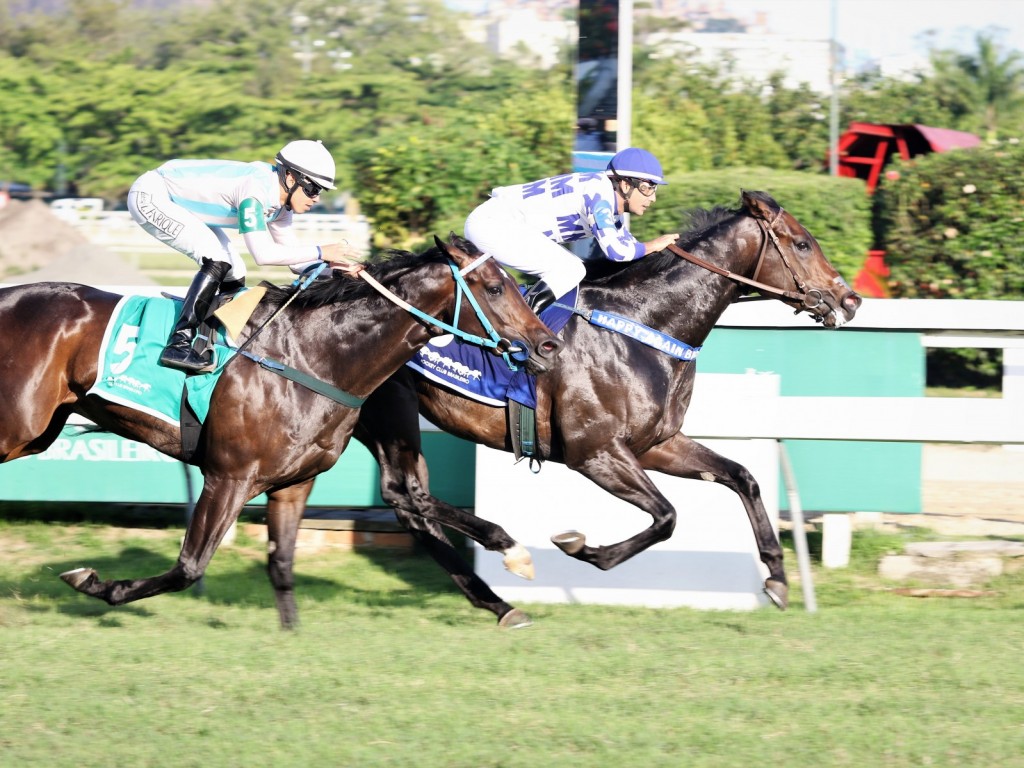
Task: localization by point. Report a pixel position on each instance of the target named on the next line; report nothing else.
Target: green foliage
(836, 211)
(980, 92)
(951, 224)
(425, 177)
(986, 85)
(424, 122)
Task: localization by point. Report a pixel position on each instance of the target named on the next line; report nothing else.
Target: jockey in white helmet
(188, 204)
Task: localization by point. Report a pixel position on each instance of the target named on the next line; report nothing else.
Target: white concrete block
(711, 560)
(836, 540)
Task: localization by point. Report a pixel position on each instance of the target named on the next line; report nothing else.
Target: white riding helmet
(311, 159)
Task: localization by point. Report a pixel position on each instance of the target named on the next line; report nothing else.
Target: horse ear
(458, 241)
(453, 248)
(759, 204)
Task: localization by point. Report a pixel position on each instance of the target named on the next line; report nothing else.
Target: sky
(871, 29)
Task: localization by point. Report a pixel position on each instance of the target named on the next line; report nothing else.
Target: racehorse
(613, 408)
(263, 432)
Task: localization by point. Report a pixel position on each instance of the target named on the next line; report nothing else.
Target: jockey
(188, 204)
(522, 226)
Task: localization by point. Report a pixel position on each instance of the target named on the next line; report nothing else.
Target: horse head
(790, 258)
(503, 306)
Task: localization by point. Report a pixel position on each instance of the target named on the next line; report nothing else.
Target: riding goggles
(310, 187)
(645, 188)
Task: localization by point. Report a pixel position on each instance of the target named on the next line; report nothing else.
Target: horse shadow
(236, 581)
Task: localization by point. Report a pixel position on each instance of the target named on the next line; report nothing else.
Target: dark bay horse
(612, 410)
(263, 433)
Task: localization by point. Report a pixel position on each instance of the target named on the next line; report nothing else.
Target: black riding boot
(179, 353)
(540, 296)
(232, 286)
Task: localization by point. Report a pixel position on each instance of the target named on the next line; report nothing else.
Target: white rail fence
(711, 561)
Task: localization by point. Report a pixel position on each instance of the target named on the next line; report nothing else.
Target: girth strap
(522, 430)
(309, 382)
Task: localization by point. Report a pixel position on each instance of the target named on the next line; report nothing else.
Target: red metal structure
(865, 149)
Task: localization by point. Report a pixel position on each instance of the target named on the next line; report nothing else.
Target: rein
(808, 298)
(509, 354)
(267, 363)
(496, 342)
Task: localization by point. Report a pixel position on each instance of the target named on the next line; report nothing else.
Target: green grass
(392, 668)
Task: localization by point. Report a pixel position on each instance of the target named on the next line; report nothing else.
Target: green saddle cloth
(129, 372)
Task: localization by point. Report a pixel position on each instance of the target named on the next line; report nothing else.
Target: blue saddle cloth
(480, 375)
(129, 372)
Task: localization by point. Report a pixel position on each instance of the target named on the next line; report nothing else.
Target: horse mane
(340, 287)
(698, 223)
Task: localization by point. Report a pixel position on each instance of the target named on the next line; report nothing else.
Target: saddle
(232, 310)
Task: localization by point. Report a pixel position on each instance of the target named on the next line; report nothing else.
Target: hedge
(835, 210)
(952, 224)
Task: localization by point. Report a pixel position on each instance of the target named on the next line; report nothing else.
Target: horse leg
(389, 427)
(34, 434)
(285, 507)
(433, 539)
(683, 457)
(218, 506)
(615, 469)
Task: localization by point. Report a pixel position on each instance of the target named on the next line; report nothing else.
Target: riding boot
(540, 296)
(232, 286)
(179, 353)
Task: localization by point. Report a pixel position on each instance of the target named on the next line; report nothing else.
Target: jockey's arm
(617, 244)
(277, 245)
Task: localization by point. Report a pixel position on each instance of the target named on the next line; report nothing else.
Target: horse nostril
(549, 348)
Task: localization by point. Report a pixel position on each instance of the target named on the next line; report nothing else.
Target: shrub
(835, 210)
(951, 224)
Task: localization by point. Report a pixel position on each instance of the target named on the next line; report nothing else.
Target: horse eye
(495, 290)
(802, 245)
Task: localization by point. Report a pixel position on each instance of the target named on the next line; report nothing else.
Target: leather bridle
(809, 299)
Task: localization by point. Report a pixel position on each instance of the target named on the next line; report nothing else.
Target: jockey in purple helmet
(524, 225)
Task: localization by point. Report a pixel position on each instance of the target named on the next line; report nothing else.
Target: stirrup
(186, 359)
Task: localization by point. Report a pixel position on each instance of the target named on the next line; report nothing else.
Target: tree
(986, 83)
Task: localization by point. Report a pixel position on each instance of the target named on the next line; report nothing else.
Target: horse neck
(358, 344)
(690, 299)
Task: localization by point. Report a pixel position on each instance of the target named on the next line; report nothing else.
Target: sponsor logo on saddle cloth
(129, 372)
(479, 375)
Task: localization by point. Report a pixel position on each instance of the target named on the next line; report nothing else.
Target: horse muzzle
(831, 311)
(535, 358)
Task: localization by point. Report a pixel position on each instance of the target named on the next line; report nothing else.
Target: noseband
(809, 299)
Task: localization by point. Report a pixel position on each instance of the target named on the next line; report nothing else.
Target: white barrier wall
(709, 562)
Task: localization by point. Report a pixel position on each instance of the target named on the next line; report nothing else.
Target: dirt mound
(31, 237)
(88, 264)
(37, 246)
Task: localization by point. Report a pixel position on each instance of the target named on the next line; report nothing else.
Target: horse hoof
(518, 561)
(569, 542)
(78, 577)
(515, 619)
(778, 593)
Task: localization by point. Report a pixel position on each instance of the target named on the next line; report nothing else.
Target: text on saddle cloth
(473, 373)
(479, 375)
